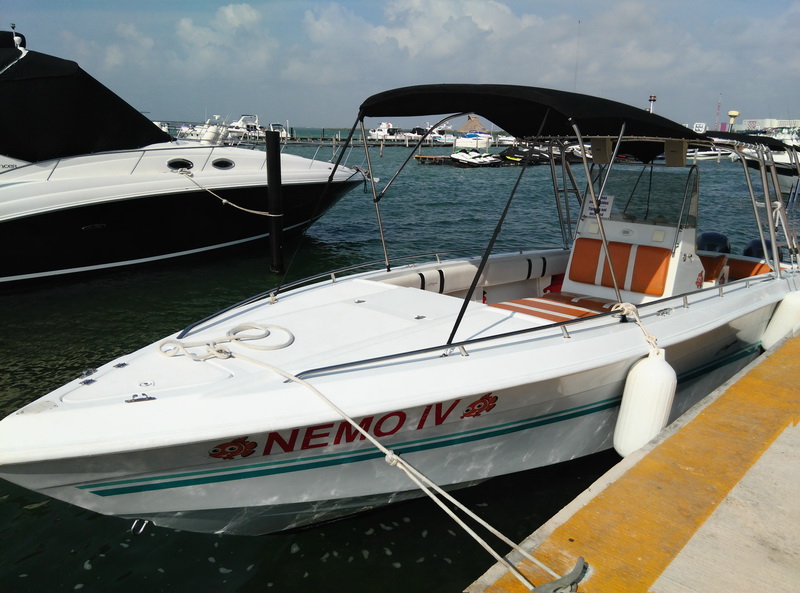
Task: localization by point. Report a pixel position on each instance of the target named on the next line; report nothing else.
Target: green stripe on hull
(181, 481)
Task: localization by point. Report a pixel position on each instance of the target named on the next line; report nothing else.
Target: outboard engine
(713, 241)
(756, 249)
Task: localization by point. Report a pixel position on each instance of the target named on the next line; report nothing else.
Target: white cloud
(313, 60)
(234, 44)
(236, 17)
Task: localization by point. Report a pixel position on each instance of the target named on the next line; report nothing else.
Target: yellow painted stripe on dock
(631, 531)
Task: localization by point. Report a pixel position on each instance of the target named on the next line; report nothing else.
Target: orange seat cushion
(557, 307)
(648, 275)
(650, 270)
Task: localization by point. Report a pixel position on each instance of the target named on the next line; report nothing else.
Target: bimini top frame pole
(597, 197)
(376, 195)
(375, 198)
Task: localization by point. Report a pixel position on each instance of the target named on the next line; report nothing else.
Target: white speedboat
(214, 132)
(709, 154)
(247, 128)
(76, 199)
(755, 148)
(474, 140)
(386, 132)
(284, 410)
(441, 135)
(473, 135)
(505, 140)
(281, 129)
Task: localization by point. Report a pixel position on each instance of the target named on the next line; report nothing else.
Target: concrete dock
(712, 505)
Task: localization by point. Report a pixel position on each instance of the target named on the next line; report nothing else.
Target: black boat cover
(530, 112)
(51, 108)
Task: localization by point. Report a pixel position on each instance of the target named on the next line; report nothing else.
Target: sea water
(52, 331)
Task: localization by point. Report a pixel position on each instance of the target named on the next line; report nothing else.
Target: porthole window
(178, 164)
(223, 164)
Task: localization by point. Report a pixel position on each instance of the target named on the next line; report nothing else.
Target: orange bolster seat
(638, 268)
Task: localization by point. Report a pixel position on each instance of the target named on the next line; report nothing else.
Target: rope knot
(628, 309)
(392, 459)
(219, 351)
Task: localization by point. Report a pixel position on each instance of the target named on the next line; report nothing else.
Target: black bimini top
(737, 137)
(51, 108)
(530, 112)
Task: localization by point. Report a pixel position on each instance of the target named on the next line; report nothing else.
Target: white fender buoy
(785, 321)
(646, 402)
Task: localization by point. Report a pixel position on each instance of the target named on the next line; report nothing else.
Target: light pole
(652, 100)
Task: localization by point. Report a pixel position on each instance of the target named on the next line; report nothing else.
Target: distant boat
(214, 131)
(505, 140)
(707, 154)
(385, 131)
(247, 128)
(473, 135)
(281, 129)
(787, 135)
(474, 140)
(75, 198)
(783, 156)
(443, 135)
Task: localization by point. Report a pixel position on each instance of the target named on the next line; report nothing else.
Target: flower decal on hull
(479, 406)
(238, 447)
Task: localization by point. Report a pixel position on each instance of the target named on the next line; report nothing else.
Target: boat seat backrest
(457, 277)
(638, 268)
(743, 268)
(713, 264)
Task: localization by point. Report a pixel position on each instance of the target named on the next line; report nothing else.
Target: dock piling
(274, 201)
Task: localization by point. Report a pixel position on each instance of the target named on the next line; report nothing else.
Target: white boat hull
(302, 474)
(481, 143)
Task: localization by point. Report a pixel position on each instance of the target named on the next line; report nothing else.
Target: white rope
(170, 347)
(430, 488)
(190, 176)
(628, 309)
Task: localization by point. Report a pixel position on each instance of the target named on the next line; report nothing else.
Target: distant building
(747, 126)
(753, 125)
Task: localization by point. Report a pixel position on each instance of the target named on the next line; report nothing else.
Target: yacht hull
(92, 212)
(153, 227)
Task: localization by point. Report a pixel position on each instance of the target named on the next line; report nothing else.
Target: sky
(312, 63)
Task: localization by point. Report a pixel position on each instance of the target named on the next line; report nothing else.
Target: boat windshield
(630, 195)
